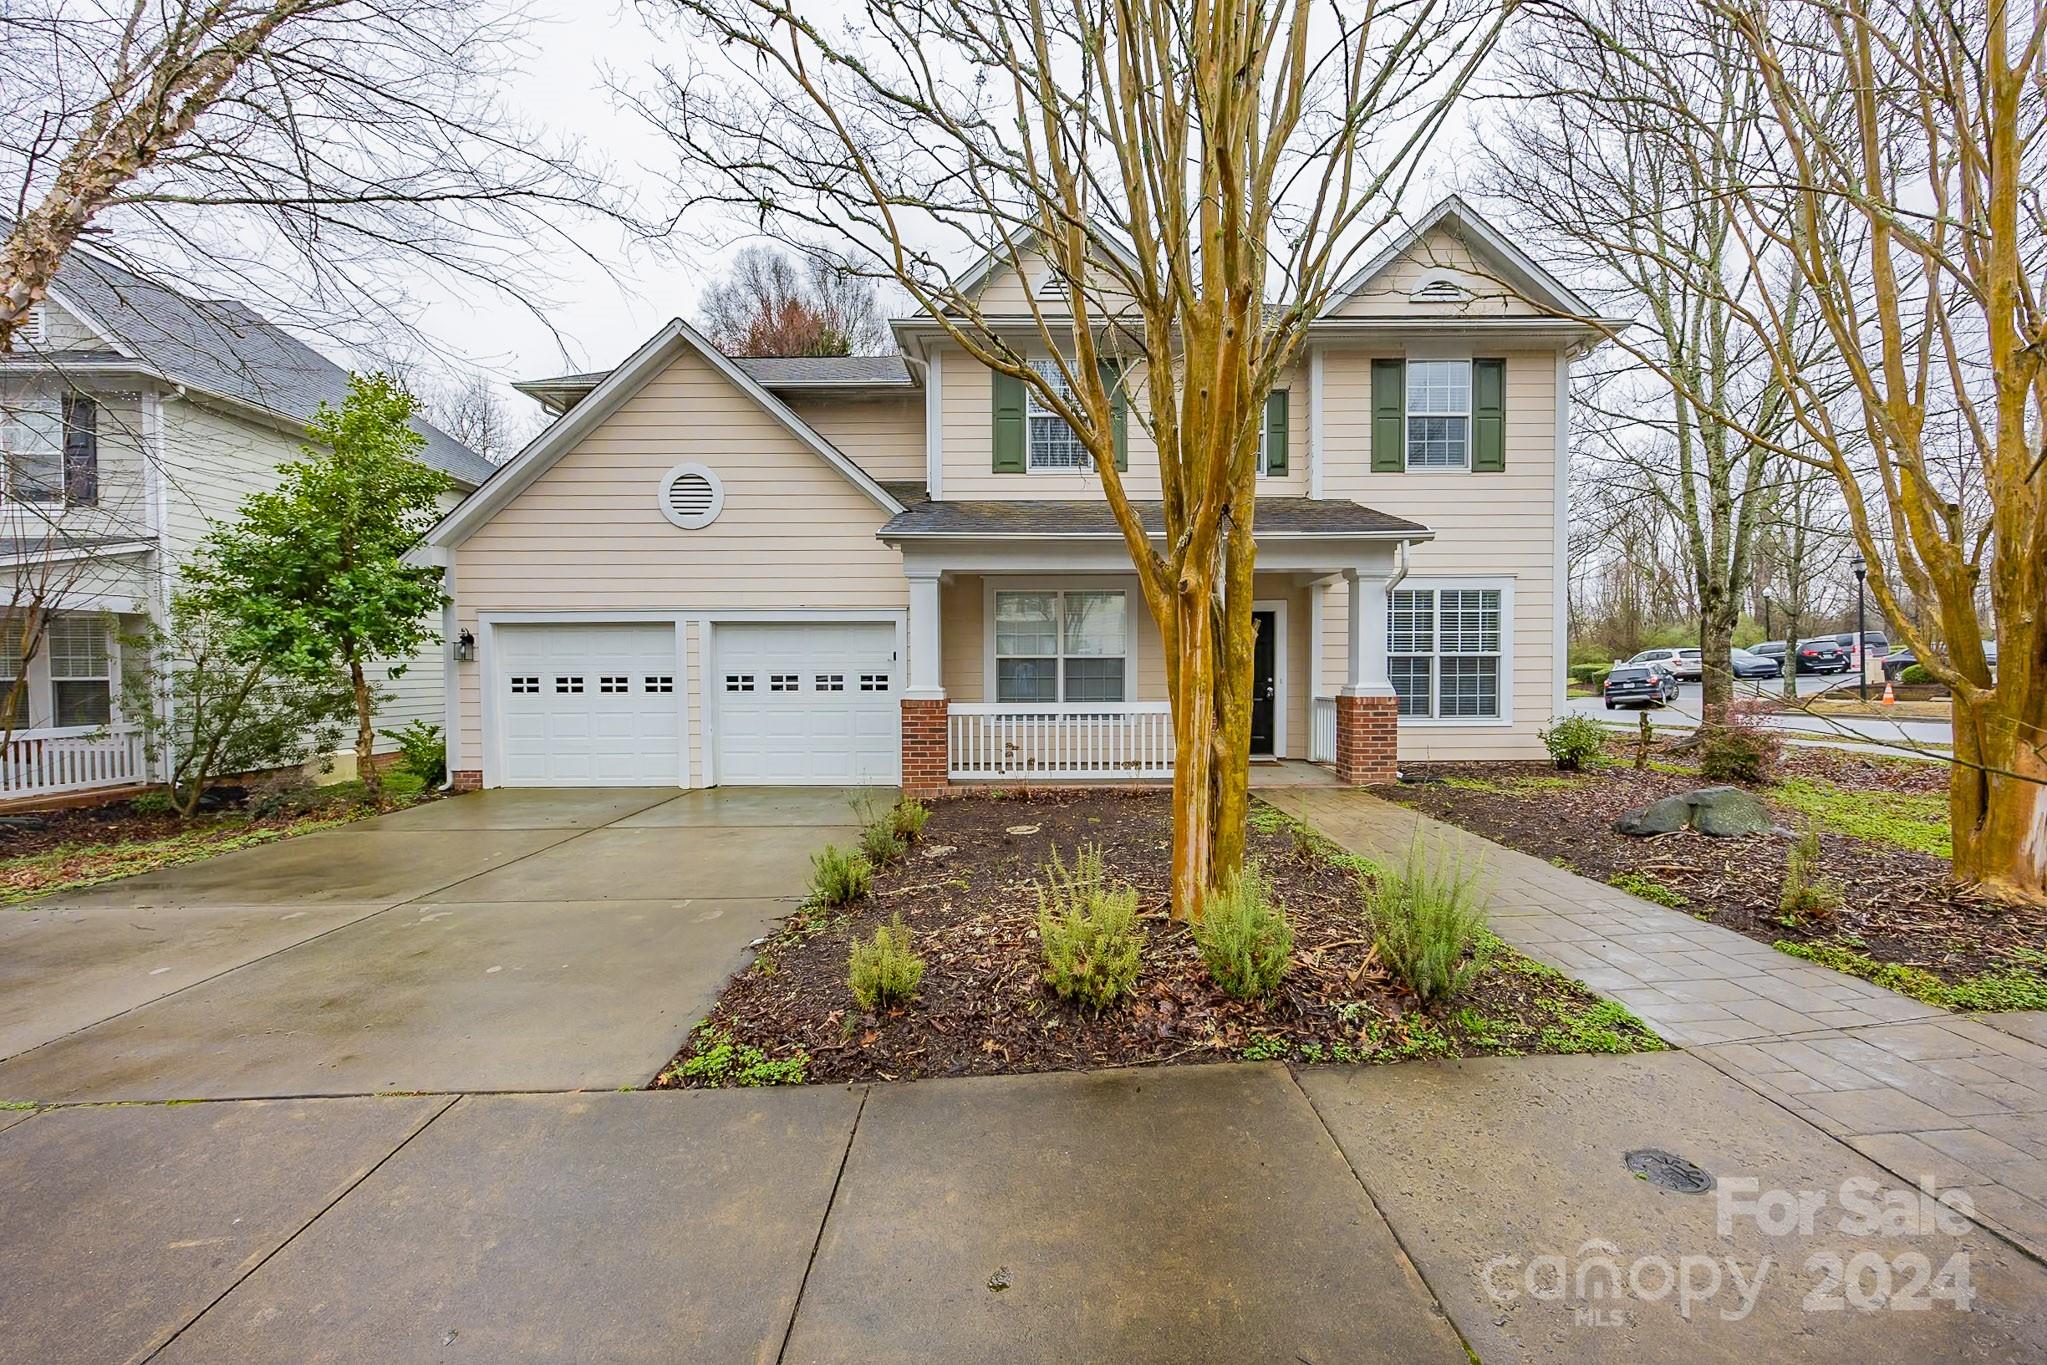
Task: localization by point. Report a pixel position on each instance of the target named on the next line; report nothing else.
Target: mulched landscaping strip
(1899, 906)
(966, 892)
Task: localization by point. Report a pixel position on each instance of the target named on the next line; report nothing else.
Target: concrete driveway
(507, 940)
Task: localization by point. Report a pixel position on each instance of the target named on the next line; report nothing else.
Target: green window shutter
(1275, 432)
(1488, 416)
(1389, 416)
(1010, 427)
(1119, 408)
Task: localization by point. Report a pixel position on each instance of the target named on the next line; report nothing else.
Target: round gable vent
(691, 496)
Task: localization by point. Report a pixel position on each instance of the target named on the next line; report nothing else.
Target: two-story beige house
(132, 419)
(896, 569)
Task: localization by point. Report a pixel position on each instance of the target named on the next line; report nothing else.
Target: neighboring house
(884, 569)
(131, 419)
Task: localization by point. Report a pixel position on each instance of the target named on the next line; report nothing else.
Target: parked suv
(1823, 654)
(1645, 684)
(1679, 663)
(1876, 642)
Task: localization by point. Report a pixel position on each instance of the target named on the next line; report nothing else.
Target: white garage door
(807, 703)
(589, 706)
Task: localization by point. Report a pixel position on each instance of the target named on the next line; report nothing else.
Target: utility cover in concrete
(119, 1225)
(654, 1227)
(1172, 1214)
(1504, 1179)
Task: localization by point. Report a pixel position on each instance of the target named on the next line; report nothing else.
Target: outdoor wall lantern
(465, 648)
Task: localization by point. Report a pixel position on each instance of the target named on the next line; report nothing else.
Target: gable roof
(675, 339)
(1523, 271)
(223, 348)
(787, 374)
(1001, 257)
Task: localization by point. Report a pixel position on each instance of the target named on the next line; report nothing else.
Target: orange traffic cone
(1890, 694)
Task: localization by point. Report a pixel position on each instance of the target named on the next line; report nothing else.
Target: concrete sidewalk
(1233, 1213)
(1951, 1100)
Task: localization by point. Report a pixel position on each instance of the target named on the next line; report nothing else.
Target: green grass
(719, 1061)
(2021, 988)
(1649, 889)
(1910, 820)
(1512, 786)
(72, 867)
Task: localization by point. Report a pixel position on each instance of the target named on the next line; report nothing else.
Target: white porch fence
(45, 762)
(1322, 730)
(1070, 740)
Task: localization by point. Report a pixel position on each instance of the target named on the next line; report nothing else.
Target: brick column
(925, 756)
(468, 780)
(1367, 739)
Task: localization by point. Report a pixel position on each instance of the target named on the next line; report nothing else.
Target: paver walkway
(1947, 1100)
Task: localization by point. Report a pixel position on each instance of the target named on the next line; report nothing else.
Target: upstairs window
(1438, 414)
(1053, 445)
(32, 445)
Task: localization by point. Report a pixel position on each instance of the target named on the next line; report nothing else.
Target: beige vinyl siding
(1439, 249)
(1006, 292)
(884, 436)
(967, 402)
(64, 330)
(588, 535)
(1487, 526)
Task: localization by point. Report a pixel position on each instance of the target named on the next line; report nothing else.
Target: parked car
(1902, 658)
(1771, 649)
(1823, 654)
(1878, 644)
(1679, 663)
(1633, 684)
(1748, 664)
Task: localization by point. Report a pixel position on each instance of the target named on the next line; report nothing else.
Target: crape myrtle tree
(314, 576)
(1195, 177)
(1897, 191)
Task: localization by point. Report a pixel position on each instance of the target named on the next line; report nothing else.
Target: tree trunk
(1997, 795)
(1194, 744)
(1791, 624)
(1716, 666)
(365, 732)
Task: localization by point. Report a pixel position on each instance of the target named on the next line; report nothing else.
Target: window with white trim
(32, 446)
(13, 685)
(81, 671)
(1061, 647)
(1443, 652)
(1053, 446)
(1438, 414)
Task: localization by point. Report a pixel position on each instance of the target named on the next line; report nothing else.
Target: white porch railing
(1073, 740)
(1322, 730)
(44, 762)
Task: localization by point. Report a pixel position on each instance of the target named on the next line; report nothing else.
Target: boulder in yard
(1721, 812)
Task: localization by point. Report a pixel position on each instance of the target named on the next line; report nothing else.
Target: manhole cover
(1667, 1171)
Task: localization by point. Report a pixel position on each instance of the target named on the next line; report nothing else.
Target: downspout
(1401, 572)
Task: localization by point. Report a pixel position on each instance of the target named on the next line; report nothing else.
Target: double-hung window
(1443, 652)
(32, 441)
(1438, 414)
(1060, 647)
(13, 683)
(81, 671)
(1053, 445)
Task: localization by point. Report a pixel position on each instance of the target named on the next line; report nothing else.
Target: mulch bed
(1903, 906)
(966, 891)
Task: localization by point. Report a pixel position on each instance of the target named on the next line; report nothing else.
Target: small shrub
(884, 970)
(1088, 931)
(285, 793)
(1806, 891)
(1573, 739)
(839, 877)
(1915, 674)
(421, 751)
(1738, 746)
(881, 843)
(911, 815)
(1425, 920)
(153, 803)
(1245, 940)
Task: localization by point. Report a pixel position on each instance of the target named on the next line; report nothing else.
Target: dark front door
(1264, 689)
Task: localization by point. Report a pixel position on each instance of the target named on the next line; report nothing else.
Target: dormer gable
(1453, 262)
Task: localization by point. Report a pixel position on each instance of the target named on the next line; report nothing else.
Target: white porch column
(1365, 656)
(927, 677)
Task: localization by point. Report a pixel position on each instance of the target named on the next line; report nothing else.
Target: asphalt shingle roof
(778, 372)
(1091, 517)
(229, 349)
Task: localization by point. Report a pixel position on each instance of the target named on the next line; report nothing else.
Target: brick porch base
(1367, 740)
(925, 750)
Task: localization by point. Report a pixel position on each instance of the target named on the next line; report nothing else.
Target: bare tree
(307, 153)
(1618, 154)
(1195, 182)
(768, 305)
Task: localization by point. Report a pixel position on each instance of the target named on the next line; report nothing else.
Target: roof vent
(691, 496)
(29, 331)
(1051, 286)
(1439, 287)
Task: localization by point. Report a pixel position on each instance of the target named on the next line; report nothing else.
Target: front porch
(1033, 658)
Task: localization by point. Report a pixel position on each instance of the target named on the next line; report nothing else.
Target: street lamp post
(1860, 568)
